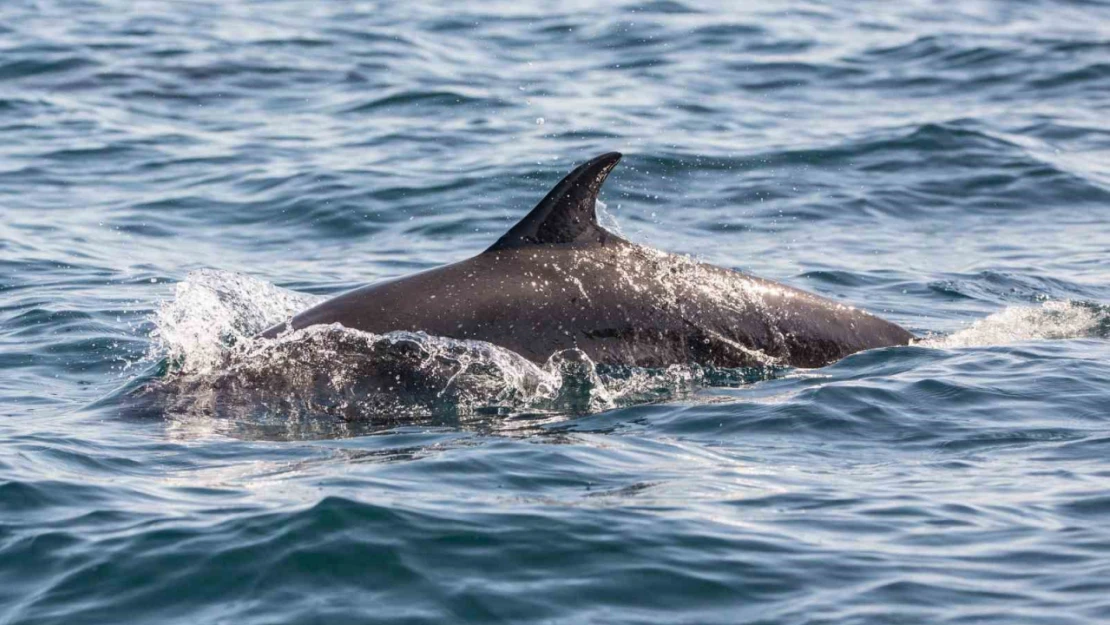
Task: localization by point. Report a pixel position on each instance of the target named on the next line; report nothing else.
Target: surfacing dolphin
(557, 280)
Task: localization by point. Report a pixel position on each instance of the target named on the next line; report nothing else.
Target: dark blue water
(165, 165)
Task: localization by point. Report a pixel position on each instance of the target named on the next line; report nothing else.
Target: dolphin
(559, 281)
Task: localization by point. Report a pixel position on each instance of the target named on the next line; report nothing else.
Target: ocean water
(175, 176)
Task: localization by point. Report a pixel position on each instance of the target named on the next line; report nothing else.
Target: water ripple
(226, 163)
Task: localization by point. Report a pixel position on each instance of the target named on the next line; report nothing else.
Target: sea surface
(174, 176)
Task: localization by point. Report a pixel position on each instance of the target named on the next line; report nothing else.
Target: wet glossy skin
(618, 302)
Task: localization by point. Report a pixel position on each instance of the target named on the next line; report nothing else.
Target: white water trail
(1052, 320)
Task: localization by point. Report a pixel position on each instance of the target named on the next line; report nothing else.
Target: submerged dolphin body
(558, 280)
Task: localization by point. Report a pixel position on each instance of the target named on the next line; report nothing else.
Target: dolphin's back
(634, 306)
(558, 281)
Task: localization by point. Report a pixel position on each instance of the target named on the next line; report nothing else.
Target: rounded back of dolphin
(557, 280)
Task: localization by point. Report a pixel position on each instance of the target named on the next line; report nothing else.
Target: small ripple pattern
(945, 165)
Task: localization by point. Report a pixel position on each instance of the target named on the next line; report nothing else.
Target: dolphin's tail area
(567, 214)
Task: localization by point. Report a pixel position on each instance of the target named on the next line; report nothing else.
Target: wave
(1051, 320)
(423, 101)
(958, 164)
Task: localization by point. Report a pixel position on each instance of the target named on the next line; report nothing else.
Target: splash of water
(1050, 321)
(608, 219)
(213, 310)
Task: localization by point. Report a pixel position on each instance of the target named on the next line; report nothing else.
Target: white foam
(213, 310)
(1051, 320)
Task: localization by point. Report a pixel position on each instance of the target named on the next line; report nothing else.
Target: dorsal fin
(568, 213)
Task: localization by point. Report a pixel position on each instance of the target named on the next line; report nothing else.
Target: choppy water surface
(175, 176)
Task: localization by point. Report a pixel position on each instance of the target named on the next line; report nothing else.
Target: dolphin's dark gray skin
(557, 280)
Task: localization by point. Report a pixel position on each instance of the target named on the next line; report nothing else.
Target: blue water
(172, 173)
